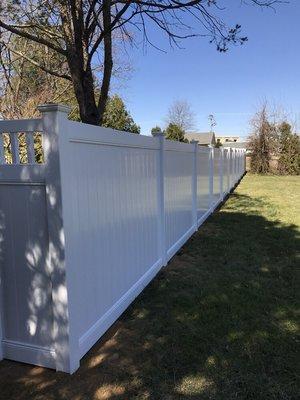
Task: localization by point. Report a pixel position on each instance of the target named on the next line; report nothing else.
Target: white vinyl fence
(85, 231)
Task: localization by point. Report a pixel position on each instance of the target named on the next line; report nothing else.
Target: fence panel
(232, 167)
(26, 289)
(203, 195)
(216, 184)
(26, 305)
(178, 194)
(83, 232)
(110, 191)
(226, 170)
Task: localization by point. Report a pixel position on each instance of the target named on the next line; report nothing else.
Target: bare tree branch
(35, 63)
(79, 30)
(25, 34)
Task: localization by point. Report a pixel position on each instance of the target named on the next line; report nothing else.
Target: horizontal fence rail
(104, 211)
(21, 142)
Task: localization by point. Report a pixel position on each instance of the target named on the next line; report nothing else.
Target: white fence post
(161, 198)
(211, 177)
(194, 185)
(66, 348)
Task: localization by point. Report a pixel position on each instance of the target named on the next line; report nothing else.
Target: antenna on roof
(212, 122)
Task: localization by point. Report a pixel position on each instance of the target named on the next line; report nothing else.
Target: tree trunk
(83, 83)
(108, 60)
(81, 71)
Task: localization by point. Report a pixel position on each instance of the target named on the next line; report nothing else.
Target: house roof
(202, 137)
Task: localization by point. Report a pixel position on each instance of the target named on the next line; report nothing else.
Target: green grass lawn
(220, 322)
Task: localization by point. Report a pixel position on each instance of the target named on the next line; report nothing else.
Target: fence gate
(26, 291)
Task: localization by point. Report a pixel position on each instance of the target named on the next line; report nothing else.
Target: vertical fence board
(211, 177)
(161, 198)
(2, 156)
(14, 145)
(30, 148)
(203, 181)
(216, 176)
(178, 196)
(194, 185)
(221, 172)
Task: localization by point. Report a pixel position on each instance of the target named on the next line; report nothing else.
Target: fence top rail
(22, 173)
(77, 132)
(171, 145)
(21, 125)
(203, 150)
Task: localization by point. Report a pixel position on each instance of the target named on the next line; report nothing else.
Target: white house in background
(203, 138)
(238, 145)
(224, 139)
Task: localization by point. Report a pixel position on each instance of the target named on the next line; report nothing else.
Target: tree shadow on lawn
(220, 322)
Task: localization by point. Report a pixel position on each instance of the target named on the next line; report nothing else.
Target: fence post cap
(54, 107)
(194, 141)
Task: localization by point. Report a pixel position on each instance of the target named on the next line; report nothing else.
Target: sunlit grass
(278, 196)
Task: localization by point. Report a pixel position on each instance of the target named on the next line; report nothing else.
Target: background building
(203, 138)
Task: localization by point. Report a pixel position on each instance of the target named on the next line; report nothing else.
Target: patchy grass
(220, 322)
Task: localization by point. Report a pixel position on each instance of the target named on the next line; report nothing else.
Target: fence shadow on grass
(218, 323)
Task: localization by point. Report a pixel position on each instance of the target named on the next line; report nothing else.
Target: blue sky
(231, 86)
